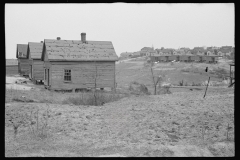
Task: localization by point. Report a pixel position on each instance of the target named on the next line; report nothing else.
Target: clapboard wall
(37, 72)
(23, 66)
(12, 70)
(82, 74)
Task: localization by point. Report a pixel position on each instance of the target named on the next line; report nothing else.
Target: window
(67, 75)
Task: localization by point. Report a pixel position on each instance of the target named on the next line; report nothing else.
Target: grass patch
(88, 98)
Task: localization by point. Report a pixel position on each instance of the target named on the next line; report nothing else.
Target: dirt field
(140, 126)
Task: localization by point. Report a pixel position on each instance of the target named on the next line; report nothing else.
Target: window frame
(64, 75)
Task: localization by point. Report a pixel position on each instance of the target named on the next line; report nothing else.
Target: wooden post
(206, 88)
(230, 75)
(114, 90)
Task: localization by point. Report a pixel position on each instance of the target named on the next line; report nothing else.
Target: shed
(34, 54)
(23, 61)
(11, 66)
(76, 64)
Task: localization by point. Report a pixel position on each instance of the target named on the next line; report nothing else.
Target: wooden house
(23, 61)
(76, 64)
(34, 54)
(185, 58)
(174, 57)
(211, 59)
(196, 58)
(136, 54)
(11, 66)
(225, 50)
(144, 50)
(126, 54)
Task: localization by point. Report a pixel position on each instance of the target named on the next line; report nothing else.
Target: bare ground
(156, 125)
(163, 125)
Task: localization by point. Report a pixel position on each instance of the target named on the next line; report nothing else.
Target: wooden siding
(82, 74)
(195, 58)
(12, 70)
(38, 70)
(174, 57)
(23, 66)
(184, 58)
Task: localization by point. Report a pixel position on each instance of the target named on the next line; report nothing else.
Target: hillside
(182, 123)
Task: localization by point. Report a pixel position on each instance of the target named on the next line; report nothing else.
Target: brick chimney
(58, 38)
(83, 37)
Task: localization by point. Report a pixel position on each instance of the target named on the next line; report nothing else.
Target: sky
(130, 27)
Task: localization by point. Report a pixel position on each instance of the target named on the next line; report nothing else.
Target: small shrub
(137, 88)
(180, 83)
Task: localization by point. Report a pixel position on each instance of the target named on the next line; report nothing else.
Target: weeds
(89, 99)
(38, 123)
(180, 83)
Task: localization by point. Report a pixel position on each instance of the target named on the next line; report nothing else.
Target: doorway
(48, 78)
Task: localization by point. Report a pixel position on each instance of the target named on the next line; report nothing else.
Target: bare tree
(155, 82)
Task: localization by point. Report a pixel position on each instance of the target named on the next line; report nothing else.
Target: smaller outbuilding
(34, 54)
(23, 61)
(11, 66)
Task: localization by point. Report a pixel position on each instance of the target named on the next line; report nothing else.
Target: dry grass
(177, 124)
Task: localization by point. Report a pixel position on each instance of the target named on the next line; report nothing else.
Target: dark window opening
(67, 75)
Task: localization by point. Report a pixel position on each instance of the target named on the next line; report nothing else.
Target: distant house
(199, 51)
(225, 50)
(179, 52)
(76, 64)
(23, 61)
(144, 50)
(152, 53)
(136, 54)
(126, 54)
(34, 53)
(11, 66)
(165, 51)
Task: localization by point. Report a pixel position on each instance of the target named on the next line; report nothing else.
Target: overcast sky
(130, 27)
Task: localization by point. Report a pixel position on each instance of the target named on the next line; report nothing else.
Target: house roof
(11, 62)
(147, 48)
(35, 49)
(225, 49)
(21, 50)
(126, 53)
(76, 50)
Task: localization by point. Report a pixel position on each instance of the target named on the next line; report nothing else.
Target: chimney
(83, 37)
(41, 41)
(58, 38)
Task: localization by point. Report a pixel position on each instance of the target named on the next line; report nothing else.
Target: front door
(48, 79)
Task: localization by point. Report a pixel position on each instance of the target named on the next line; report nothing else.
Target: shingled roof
(35, 50)
(76, 50)
(21, 50)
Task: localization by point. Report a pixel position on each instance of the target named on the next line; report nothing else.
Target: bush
(164, 89)
(137, 88)
(180, 83)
